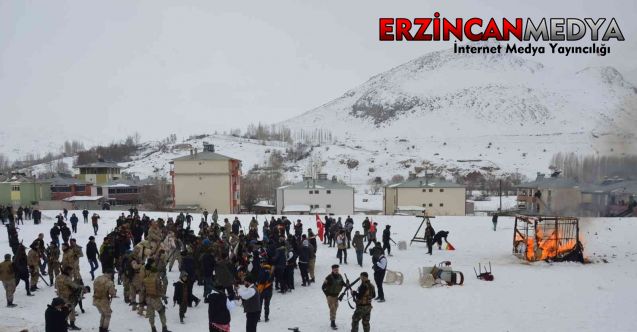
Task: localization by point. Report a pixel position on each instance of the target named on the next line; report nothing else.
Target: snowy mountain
(500, 110)
(446, 113)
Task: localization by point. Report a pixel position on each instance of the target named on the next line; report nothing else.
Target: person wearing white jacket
(379, 275)
(251, 304)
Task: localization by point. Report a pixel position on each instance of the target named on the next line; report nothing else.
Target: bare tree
(157, 194)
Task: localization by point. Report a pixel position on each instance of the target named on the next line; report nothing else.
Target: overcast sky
(108, 68)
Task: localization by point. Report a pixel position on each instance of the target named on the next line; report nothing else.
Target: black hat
(335, 266)
(364, 274)
(58, 301)
(91, 237)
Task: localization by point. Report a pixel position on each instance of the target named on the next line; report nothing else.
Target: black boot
(73, 327)
(10, 304)
(333, 325)
(164, 329)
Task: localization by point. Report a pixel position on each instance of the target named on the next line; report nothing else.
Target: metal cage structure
(547, 238)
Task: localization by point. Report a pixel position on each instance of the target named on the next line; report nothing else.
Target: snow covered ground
(523, 297)
(493, 203)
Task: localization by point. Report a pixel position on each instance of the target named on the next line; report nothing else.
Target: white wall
(340, 200)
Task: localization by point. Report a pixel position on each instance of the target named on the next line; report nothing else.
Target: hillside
(447, 113)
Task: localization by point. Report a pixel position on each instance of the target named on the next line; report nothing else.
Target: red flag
(320, 226)
(450, 247)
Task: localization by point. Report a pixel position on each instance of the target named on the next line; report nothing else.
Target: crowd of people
(233, 265)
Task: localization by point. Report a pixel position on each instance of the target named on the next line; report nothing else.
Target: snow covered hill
(501, 109)
(444, 112)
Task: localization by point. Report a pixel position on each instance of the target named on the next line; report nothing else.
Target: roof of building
(624, 186)
(98, 164)
(82, 198)
(264, 204)
(24, 179)
(126, 183)
(203, 155)
(543, 182)
(296, 208)
(66, 181)
(422, 182)
(316, 184)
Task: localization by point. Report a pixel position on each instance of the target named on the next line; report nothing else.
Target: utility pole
(500, 209)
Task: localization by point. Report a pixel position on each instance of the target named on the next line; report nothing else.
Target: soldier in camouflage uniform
(77, 254)
(7, 275)
(136, 286)
(69, 291)
(153, 288)
(53, 256)
(103, 292)
(69, 260)
(363, 297)
(160, 261)
(33, 261)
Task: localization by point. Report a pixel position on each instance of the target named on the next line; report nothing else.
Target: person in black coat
(218, 312)
(21, 269)
(66, 233)
(386, 239)
(92, 254)
(55, 316)
(304, 259)
(188, 266)
(74, 220)
(55, 234)
(439, 237)
(429, 237)
(207, 271)
(181, 295)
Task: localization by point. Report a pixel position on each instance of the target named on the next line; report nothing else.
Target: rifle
(44, 279)
(348, 289)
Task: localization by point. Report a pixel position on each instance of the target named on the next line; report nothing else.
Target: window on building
(424, 190)
(328, 206)
(431, 204)
(441, 205)
(431, 190)
(328, 192)
(442, 190)
(80, 188)
(15, 187)
(424, 204)
(316, 191)
(311, 192)
(316, 206)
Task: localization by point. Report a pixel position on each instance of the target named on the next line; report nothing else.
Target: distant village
(205, 180)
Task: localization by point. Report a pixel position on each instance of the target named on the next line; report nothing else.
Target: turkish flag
(320, 226)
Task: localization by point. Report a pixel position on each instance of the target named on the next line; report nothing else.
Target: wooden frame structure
(547, 238)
